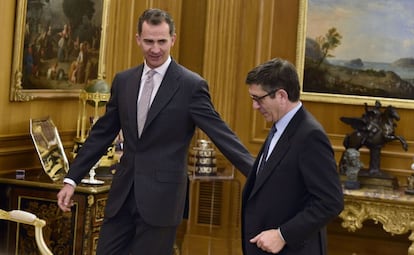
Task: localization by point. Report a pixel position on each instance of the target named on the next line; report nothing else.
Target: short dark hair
(275, 74)
(156, 17)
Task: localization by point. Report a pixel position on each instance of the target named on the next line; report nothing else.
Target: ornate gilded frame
(331, 97)
(49, 148)
(18, 91)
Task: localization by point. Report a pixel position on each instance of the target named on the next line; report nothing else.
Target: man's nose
(155, 48)
(255, 105)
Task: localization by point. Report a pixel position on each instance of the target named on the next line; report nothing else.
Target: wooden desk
(75, 232)
(393, 209)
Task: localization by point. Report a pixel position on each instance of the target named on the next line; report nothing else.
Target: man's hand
(269, 241)
(64, 197)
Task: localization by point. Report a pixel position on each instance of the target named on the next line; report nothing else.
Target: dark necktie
(145, 100)
(266, 148)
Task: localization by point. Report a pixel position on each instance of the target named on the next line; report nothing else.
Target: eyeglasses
(259, 100)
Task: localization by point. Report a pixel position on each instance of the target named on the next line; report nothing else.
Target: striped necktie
(272, 132)
(145, 100)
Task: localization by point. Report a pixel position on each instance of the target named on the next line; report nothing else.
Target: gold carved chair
(31, 219)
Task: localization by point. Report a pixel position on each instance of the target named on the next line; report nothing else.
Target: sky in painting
(373, 30)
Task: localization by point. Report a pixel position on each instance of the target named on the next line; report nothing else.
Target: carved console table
(393, 209)
(75, 232)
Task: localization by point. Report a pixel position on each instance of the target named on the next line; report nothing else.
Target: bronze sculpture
(350, 166)
(373, 130)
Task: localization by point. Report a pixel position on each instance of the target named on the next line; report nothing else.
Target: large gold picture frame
(345, 74)
(59, 46)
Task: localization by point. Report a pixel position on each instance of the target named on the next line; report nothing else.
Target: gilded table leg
(411, 238)
(176, 250)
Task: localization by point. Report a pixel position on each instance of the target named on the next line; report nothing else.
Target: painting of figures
(60, 44)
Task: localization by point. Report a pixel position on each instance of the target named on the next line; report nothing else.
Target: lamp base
(92, 181)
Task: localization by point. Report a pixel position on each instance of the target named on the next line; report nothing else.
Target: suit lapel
(275, 157)
(133, 84)
(168, 87)
(279, 151)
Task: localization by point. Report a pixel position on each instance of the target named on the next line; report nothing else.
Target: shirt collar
(284, 121)
(162, 69)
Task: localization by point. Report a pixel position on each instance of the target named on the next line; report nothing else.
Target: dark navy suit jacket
(298, 190)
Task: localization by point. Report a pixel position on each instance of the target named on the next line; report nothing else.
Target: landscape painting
(358, 50)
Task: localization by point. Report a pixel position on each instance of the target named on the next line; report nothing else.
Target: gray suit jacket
(155, 165)
(298, 190)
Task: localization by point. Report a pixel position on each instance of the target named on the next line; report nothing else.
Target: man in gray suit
(146, 201)
(293, 190)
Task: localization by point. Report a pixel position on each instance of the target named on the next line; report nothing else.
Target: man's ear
(138, 39)
(173, 38)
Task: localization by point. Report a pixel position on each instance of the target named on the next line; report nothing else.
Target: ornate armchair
(31, 219)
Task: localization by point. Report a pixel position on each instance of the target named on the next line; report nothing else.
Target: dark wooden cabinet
(75, 232)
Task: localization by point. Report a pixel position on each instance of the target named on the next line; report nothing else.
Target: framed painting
(352, 51)
(59, 46)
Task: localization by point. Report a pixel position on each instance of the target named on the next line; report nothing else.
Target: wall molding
(18, 151)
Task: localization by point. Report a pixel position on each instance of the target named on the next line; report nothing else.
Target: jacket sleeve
(209, 121)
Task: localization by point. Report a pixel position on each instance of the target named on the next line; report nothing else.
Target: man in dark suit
(293, 190)
(146, 201)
